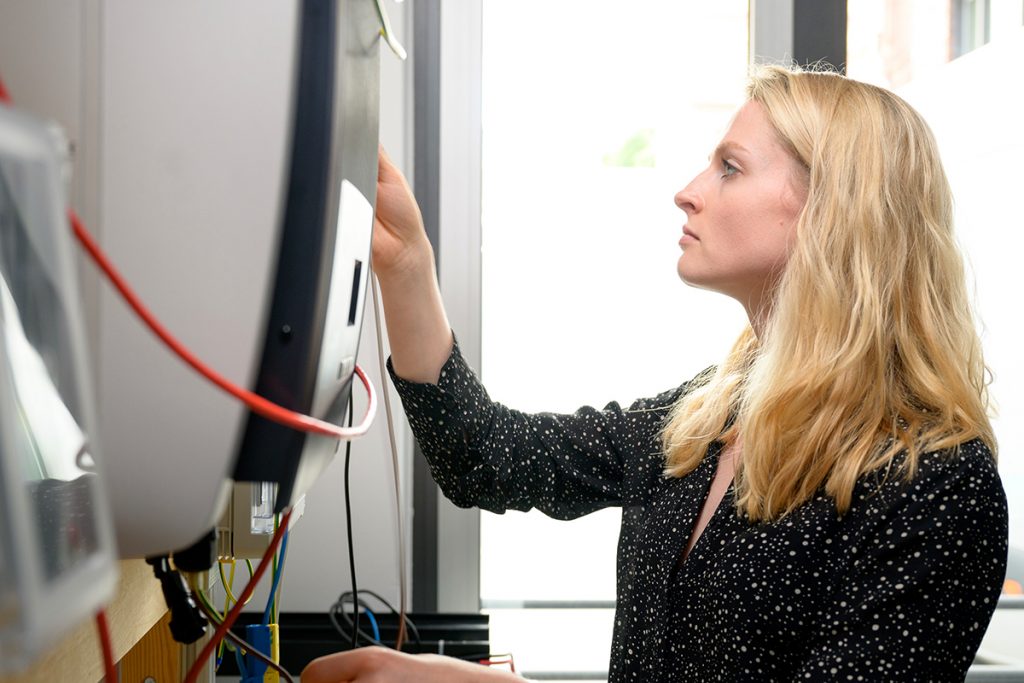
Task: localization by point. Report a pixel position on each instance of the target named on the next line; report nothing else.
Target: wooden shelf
(137, 608)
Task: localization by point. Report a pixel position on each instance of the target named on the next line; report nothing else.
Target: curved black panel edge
(287, 374)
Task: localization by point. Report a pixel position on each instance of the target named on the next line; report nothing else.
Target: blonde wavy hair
(870, 348)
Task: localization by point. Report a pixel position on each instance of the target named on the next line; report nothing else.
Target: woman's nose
(688, 199)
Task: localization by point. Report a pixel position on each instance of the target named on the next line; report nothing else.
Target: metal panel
(460, 134)
(800, 31)
(446, 541)
(771, 31)
(819, 32)
(427, 113)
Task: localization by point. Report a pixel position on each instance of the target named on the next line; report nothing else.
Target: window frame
(448, 132)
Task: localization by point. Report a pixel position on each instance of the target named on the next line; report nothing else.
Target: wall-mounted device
(57, 556)
(238, 178)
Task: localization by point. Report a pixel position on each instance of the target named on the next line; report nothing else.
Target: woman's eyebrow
(727, 146)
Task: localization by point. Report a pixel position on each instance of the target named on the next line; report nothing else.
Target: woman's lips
(688, 237)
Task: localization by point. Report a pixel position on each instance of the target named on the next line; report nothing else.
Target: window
(591, 122)
(974, 105)
(970, 21)
(593, 118)
(894, 42)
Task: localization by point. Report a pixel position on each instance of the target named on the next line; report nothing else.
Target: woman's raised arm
(418, 329)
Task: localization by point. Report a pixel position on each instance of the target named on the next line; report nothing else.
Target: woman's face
(741, 212)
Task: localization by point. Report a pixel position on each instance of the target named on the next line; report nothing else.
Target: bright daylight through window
(960, 67)
(594, 116)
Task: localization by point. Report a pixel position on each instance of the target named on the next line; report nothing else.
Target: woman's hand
(418, 329)
(399, 240)
(380, 665)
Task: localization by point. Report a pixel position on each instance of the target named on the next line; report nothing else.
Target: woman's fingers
(344, 667)
(398, 235)
(380, 665)
(385, 167)
(382, 158)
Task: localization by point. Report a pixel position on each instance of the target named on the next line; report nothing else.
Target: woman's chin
(688, 274)
(699, 280)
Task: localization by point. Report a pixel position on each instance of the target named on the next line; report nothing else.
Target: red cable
(101, 625)
(229, 619)
(256, 403)
(498, 660)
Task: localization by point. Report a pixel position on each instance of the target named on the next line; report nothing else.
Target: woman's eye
(728, 169)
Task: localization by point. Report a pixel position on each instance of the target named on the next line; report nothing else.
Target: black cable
(408, 622)
(187, 622)
(339, 608)
(354, 640)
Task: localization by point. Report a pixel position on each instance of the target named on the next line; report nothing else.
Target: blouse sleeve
(484, 454)
(924, 576)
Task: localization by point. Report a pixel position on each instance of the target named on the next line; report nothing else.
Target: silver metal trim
(458, 550)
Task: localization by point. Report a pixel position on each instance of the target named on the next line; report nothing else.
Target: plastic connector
(264, 500)
(272, 676)
(188, 623)
(256, 671)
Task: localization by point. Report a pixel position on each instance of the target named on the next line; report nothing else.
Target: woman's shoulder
(659, 405)
(964, 476)
(971, 460)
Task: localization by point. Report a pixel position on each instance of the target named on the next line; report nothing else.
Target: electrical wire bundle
(352, 632)
(228, 583)
(241, 647)
(224, 624)
(266, 650)
(349, 629)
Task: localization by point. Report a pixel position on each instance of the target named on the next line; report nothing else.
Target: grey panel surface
(194, 110)
(427, 115)
(819, 32)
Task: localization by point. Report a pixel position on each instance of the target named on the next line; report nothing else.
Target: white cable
(394, 448)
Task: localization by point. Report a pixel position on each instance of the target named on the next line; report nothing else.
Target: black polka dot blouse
(901, 588)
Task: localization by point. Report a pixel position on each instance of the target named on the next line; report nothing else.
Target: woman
(825, 503)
